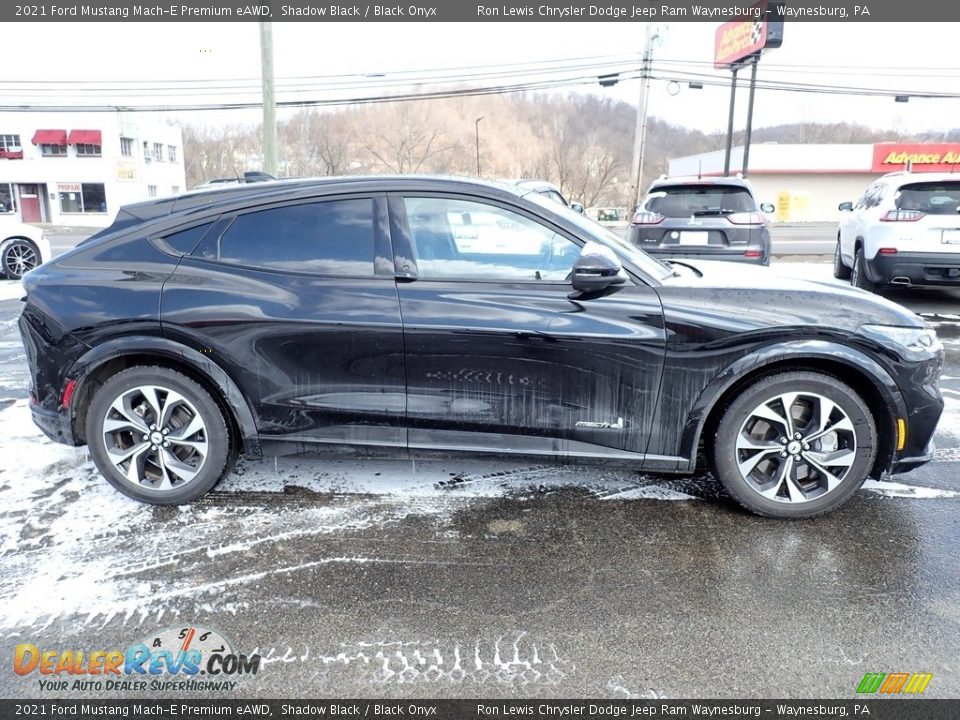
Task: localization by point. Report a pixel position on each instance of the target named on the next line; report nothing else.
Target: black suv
(706, 218)
(413, 314)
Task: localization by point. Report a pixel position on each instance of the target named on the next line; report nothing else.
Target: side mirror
(576, 207)
(767, 208)
(595, 272)
(845, 207)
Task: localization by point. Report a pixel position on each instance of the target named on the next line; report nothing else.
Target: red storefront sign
(923, 157)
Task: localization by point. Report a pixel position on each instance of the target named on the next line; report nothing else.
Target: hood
(754, 297)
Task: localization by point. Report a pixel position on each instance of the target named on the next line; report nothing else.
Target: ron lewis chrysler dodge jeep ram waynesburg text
(415, 314)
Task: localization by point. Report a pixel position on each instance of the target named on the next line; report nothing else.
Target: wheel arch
(105, 360)
(863, 374)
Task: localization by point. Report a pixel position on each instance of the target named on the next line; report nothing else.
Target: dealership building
(78, 168)
(807, 182)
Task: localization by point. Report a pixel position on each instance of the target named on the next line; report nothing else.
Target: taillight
(887, 251)
(746, 218)
(68, 393)
(645, 217)
(752, 254)
(901, 216)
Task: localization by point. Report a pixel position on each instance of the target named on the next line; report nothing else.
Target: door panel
(520, 362)
(320, 357)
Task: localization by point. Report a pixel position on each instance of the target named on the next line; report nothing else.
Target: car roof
(533, 184)
(210, 198)
(694, 180)
(908, 178)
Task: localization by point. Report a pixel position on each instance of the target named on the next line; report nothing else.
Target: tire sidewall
(858, 276)
(724, 460)
(218, 440)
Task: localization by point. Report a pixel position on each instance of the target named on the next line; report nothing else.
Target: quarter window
(464, 240)
(186, 240)
(326, 238)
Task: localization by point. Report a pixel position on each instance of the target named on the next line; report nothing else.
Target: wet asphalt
(509, 583)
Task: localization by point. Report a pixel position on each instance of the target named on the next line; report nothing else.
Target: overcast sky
(853, 54)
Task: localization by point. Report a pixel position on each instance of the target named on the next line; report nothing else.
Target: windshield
(930, 198)
(683, 201)
(600, 234)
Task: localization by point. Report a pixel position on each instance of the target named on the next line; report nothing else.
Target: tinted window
(329, 238)
(459, 239)
(186, 240)
(932, 198)
(699, 200)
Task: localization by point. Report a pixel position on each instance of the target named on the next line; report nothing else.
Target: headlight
(913, 343)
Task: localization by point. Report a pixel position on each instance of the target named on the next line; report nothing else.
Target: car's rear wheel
(794, 445)
(858, 276)
(157, 436)
(18, 257)
(840, 271)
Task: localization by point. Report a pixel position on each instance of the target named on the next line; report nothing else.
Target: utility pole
(476, 126)
(269, 99)
(640, 133)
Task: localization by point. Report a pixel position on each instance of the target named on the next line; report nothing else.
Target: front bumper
(915, 268)
(906, 464)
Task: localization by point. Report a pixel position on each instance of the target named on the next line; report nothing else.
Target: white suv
(904, 230)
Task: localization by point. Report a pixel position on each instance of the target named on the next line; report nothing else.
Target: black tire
(213, 435)
(858, 276)
(726, 456)
(18, 256)
(840, 271)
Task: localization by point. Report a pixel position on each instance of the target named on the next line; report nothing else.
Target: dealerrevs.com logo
(174, 659)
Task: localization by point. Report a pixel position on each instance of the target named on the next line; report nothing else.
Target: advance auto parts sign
(924, 157)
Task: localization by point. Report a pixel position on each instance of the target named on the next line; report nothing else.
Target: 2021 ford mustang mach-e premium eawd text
(413, 314)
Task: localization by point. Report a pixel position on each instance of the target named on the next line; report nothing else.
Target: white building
(807, 182)
(78, 168)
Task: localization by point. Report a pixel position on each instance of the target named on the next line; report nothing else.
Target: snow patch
(11, 290)
(900, 490)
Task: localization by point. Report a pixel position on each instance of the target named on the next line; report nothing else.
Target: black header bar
(712, 11)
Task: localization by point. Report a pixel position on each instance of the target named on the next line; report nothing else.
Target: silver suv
(702, 218)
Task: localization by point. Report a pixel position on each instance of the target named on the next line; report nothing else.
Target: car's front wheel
(840, 271)
(18, 257)
(795, 444)
(858, 276)
(157, 436)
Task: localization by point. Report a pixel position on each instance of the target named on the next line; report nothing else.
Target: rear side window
(326, 238)
(931, 198)
(699, 201)
(185, 241)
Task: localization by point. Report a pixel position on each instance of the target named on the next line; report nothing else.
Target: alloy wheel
(796, 447)
(19, 259)
(155, 437)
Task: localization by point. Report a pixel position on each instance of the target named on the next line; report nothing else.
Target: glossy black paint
(392, 360)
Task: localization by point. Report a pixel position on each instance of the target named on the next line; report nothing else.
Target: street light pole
(476, 126)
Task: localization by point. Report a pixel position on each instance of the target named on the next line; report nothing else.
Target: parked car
(548, 190)
(706, 218)
(904, 230)
(346, 313)
(22, 248)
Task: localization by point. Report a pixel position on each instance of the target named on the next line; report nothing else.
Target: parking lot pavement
(495, 578)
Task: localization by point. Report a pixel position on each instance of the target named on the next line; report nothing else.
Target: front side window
(82, 198)
(457, 239)
(325, 238)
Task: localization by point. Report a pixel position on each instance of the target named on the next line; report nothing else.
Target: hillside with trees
(582, 143)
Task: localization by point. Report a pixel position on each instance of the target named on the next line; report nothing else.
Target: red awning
(84, 137)
(50, 137)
